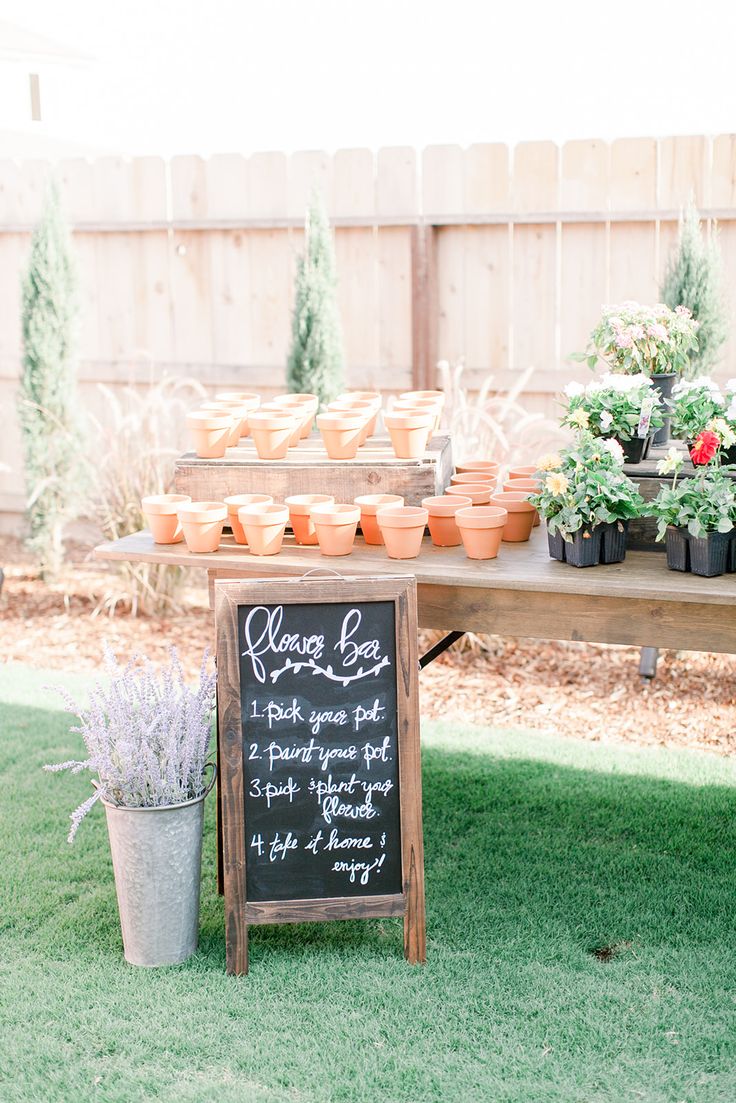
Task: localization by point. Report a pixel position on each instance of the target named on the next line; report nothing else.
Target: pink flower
(657, 330)
(623, 341)
(637, 332)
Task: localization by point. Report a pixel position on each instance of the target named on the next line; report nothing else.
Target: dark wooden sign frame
(239, 913)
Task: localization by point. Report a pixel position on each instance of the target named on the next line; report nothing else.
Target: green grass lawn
(539, 853)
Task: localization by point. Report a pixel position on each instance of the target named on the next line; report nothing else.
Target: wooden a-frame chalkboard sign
(318, 741)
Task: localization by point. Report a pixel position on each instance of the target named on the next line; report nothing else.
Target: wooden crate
(307, 470)
(643, 531)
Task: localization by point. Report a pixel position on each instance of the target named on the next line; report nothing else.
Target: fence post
(423, 306)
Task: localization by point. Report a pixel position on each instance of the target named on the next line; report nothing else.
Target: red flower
(704, 448)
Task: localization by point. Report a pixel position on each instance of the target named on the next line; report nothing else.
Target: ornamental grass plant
(146, 737)
(584, 486)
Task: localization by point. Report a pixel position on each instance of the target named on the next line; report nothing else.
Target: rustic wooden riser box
(643, 532)
(307, 470)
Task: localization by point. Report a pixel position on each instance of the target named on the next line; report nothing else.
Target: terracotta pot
(341, 433)
(524, 472)
(479, 493)
(489, 467)
(161, 517)
(369, 504)
(234, 503)
(482, 528)
(463, 477)
(409, 434)
(442, 526)
(294, 412)
(202, 523)
(402, 528)
(237, 412)
(335, 525)
(520, 515)
(271, 433)
(300, 508)
(210, 431)
(436, 396)
(264, 527)
(249, 399)
(528, 486)
(361, 406)
(305, 405)
(421, 406)
(367, 396)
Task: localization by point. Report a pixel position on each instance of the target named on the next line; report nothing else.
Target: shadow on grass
(523, 857)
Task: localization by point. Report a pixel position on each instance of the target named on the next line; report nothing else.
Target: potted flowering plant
(625, 407)
(587, 502)
(698, 405)
(147, 740)
(697, 514)
(654, 340)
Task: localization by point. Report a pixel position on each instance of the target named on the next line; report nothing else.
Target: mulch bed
(587, 691)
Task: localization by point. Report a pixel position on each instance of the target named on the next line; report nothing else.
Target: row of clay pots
(280, 424)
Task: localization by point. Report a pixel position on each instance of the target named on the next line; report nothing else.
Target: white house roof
(17, 44)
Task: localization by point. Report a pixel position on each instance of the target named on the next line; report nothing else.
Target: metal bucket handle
(213, 767)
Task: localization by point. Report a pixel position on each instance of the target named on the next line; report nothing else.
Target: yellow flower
(556, 484)
(580, 417)
(549, 462)
(723, 431)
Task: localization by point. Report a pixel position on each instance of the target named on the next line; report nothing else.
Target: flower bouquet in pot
(625, 407)
(696, 515)
(147, 739)
(655, 341)
(699, 405)
(587, 502)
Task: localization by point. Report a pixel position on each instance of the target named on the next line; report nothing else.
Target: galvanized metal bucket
(157, 859)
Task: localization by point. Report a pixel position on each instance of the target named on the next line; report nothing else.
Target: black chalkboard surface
(319, 789)
(320, 750)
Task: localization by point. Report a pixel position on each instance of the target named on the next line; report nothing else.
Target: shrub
(315, 364)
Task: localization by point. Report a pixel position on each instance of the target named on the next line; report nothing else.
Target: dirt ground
(582, 690)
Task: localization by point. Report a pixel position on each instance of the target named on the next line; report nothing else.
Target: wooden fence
(500, 256)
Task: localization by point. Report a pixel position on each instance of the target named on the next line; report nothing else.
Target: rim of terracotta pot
(481, 517)
(438, 395)
(477, 465)
(340, 404)
(402, 517)
(298, 399)
(270, 420)
(523, 472)
(163, 505)
(513, 502)
(337, 513)
(300, 505)
(238, 409)
(532, 485)
(208, 419)
(474, 478)
(408, 421)
(417, 404)
(479, 493)
(445, 505)
(371, 503)
(202, 512)
(371, 396)
(235, 501)
(264, 514)
(340, 421)
(248, 398)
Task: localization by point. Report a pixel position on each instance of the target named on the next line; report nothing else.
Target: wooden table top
(519, 567)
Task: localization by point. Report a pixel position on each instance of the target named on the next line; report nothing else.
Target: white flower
(606, 419)
(573, 390)
(671, 462)
(730, 414)
(730, 386)
(615, 449)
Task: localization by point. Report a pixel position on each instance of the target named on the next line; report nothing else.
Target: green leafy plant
(584, 485)
(47, 405)
(702, 503)
(699, 404)
(694, 279)
(613, 406)
(315, 364)
(632, 338)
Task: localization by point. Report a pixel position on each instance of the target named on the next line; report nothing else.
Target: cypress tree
(46, 402)
(694, 278)
(315, 363)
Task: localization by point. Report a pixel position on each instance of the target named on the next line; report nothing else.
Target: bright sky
(203, 76)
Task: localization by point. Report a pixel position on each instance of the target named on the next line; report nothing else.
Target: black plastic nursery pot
(664, 384)
(708, 555)
(584, 550)
(636, 449)
(613, 541)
